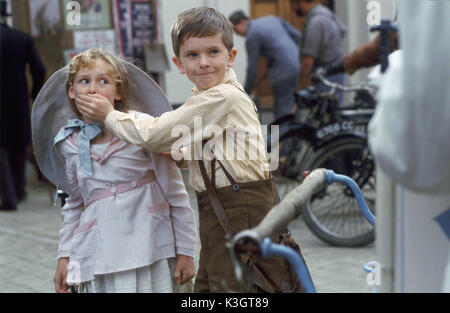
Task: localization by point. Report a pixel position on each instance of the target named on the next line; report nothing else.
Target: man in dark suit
(17, 50)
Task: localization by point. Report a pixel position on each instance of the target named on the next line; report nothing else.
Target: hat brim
(51, 110)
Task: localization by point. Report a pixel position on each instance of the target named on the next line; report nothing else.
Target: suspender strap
(214, 199)
(230, 178)
(276, 196)
(259, 278)
(212, 195)
(213, 173)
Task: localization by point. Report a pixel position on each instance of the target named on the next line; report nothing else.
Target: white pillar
(385, 230)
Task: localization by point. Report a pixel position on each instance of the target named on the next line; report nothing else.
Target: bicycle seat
(307, 97)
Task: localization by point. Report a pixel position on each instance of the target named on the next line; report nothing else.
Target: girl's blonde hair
(117, 71)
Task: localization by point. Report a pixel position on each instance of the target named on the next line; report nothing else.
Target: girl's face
(94, 79)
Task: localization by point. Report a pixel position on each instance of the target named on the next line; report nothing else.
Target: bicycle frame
(325, 121)
(311, 134)
(331, 177)
(270, 249)
(278, 218)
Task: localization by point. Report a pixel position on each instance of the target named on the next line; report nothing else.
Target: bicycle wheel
(333, 214)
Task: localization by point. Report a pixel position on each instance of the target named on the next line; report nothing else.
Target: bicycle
(333, 137)
(256, 242)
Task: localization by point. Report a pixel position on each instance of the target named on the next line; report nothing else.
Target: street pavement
(29, 241)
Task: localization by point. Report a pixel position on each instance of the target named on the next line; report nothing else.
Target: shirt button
(113, 190)
(133, 184)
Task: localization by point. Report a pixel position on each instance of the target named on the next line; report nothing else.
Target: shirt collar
(229, 78)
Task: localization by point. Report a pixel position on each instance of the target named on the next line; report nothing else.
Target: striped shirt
(223, 115)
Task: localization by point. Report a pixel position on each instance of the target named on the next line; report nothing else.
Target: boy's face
(95, 79)
(204, 60)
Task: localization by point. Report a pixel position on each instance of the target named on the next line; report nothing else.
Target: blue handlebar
(331, 177)
(269, 249)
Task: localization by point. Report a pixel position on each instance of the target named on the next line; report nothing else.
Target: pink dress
(137, 211)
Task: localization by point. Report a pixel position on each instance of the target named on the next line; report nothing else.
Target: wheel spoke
(334, 214)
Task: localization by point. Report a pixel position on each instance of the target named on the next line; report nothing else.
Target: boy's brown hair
(117, 71)
(201, 22)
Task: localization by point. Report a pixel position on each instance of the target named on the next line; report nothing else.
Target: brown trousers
(244, 208)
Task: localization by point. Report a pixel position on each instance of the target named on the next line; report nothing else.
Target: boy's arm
(182, 124)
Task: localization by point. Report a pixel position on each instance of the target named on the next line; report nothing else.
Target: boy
(202, 41)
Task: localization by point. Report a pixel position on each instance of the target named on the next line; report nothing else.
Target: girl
(128, 211)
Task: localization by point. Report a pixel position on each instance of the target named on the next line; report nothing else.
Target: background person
(321, 42)
(277, 40)
(17, 51)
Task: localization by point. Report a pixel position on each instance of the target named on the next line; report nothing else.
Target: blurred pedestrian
(321, 42)
(17, 50)
(277, 40)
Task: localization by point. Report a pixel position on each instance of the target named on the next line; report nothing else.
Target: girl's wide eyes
(102, 81)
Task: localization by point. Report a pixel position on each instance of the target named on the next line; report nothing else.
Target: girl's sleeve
(169, 178)
(72, 210)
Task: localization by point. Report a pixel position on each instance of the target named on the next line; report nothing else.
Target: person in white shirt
(409, 138)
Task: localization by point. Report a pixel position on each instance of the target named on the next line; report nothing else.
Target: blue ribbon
(87, 133)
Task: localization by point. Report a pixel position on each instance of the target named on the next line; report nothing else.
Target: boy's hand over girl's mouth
(95, 107)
